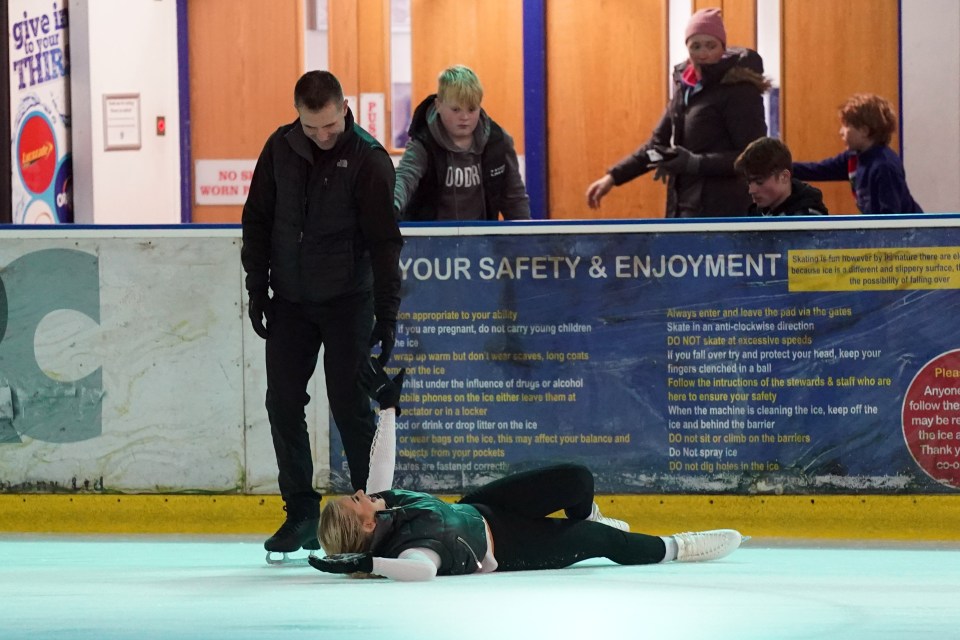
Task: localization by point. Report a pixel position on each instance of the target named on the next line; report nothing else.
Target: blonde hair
(341, 531)
(460, 85)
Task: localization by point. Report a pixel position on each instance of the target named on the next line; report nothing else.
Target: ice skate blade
(285, 560)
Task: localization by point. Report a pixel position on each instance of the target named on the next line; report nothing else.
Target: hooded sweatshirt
(804, 200)
(437, 180)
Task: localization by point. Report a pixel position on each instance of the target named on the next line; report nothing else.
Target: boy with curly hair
(875, 172)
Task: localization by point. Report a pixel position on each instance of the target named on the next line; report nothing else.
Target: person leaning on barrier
(459, 164)
(874, 170)
(766, 165)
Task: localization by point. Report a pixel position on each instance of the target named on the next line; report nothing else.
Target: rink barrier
(894, 518)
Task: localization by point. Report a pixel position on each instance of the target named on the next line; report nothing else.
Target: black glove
(343, 563)
(675, 160)
(385, 334)
(378, 385)
(260, 309)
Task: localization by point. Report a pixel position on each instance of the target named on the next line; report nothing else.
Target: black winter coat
(716, 123)
(804, 200)
(456, 532)
(318, 225)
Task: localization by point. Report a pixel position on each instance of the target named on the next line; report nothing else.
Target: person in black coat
(319, 232)
(767, 166)
(715, 112)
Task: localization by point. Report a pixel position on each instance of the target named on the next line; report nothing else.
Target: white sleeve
(413, 565)
(383, 452)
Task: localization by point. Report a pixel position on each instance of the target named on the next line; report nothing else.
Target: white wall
(125, 46)
(931, 102)
(315, 53)
(131, 362)
(678, 15)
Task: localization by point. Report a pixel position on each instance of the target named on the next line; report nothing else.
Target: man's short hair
(763, 157)
(460, 85)
(871, 112)
(316, 89)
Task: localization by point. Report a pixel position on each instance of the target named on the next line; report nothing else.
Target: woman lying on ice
(502, 526)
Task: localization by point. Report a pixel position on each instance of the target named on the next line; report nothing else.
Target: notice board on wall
(764, 357)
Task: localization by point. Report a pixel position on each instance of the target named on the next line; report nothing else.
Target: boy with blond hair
(459, 164)
(875, 172)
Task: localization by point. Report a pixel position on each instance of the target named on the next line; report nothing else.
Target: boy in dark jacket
(459, 164)
(875, 172)
(766, 165)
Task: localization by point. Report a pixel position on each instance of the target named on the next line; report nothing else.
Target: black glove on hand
(343, 563)
(385, 334)
(378, 385)
(259, 309)
(661, 174)
(676, 160)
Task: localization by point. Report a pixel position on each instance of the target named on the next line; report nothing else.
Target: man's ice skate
(294, 534)
(697, 546)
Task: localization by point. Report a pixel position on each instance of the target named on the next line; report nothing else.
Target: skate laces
(693, 546)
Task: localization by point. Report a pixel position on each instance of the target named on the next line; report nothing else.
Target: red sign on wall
(37, 154)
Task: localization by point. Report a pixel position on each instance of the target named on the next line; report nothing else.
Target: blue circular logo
(63, 190)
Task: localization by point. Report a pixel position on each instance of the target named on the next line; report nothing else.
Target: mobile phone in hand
(658, 154)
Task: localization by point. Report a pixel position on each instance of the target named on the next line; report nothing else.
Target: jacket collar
(425, 118)
(386, 522)
(732, 57)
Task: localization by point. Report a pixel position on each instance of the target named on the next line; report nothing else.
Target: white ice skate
(698, 546)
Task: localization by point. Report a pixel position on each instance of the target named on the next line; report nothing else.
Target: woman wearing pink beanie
(715, 112)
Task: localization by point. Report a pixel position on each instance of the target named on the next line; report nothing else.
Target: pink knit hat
(707, 22)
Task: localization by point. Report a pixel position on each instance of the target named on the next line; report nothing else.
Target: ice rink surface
(142, 587)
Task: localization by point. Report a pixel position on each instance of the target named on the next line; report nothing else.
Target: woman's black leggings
(516, 508)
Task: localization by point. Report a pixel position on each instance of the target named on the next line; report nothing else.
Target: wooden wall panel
(374, 35)
(739, 19)
(829, 54)
(245, 58)
(594, 117)
(358, 44)
(343, 43)
(359, 50)
(485, 35)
